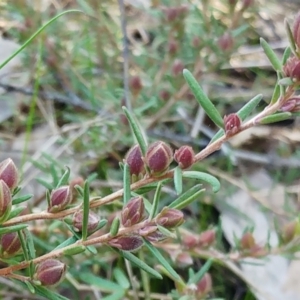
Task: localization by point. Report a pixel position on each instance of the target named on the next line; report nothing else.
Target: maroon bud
(135, 85)
(164, 95)
(10, 244)
(247, 241)
(292, 68)
(184, 259)
(127, 243)
(177, 67)
(9, 173)
(50, 272)
(60, 198)
(204, 286)
(184, 156)
(170, 218)
(190, 241)
(152, 234)
(232, 124)
(296, 31)
(133, 212)
(225, 42)
(158, 157)
(134, 160)
(172, 47)
(5, 201)
(207, 238)
(93, 221)
(289, 106)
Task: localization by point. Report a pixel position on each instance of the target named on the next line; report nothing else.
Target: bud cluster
(249, 247)
(205, 240)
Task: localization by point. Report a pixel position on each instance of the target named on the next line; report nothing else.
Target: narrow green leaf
(117, 295)
(182, 204)
(15, 212)
(203, 100)
(218, 135)
(126, 184)
(79, 189)
(276, 118)
(71, 240)
(64, 179)
(155, 252)
(155, 201)
(23, 245)
(86, 210)
(21, 199)
(290, 36)
(286, 54)
(13, 228)
(274, 60)
(186, 195)
(199, 275)
(213, 181)
(139, 263)
(136, 130)
(121, 278)
(248, 108)
(48, 294)
(54, 175)
(286, 81)
(30, 243)
(103, 284)
(74, 250)
(276, 94)
(30, 287)
(44, 183)
(115, 225)
(101, 224)
(36, 34)
(178, 180)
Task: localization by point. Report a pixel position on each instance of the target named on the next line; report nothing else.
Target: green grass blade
(155, 201)
(126, 184)
(276, 118)
(178, 180)
(86, 210)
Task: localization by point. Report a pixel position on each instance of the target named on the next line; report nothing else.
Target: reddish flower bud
(190, 241)
(247, 241)
(135, 85)
(164, 95)
(183, 259)
(290, 230)
(204, 286)
(5, 201)
(158, 157)
(9, 173)
(50, 272)
(152, 234)
(10, 244)
(292, 68)
(232, 124)
(172, 47)
(296, 30)
(93, 221)
(170, 218)
(127, 243)
(289, 106)
(207, 238)
(133, 212)
(134, 160)
(177, 67)
(225, 42)
(60, 198)
(184, 156)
